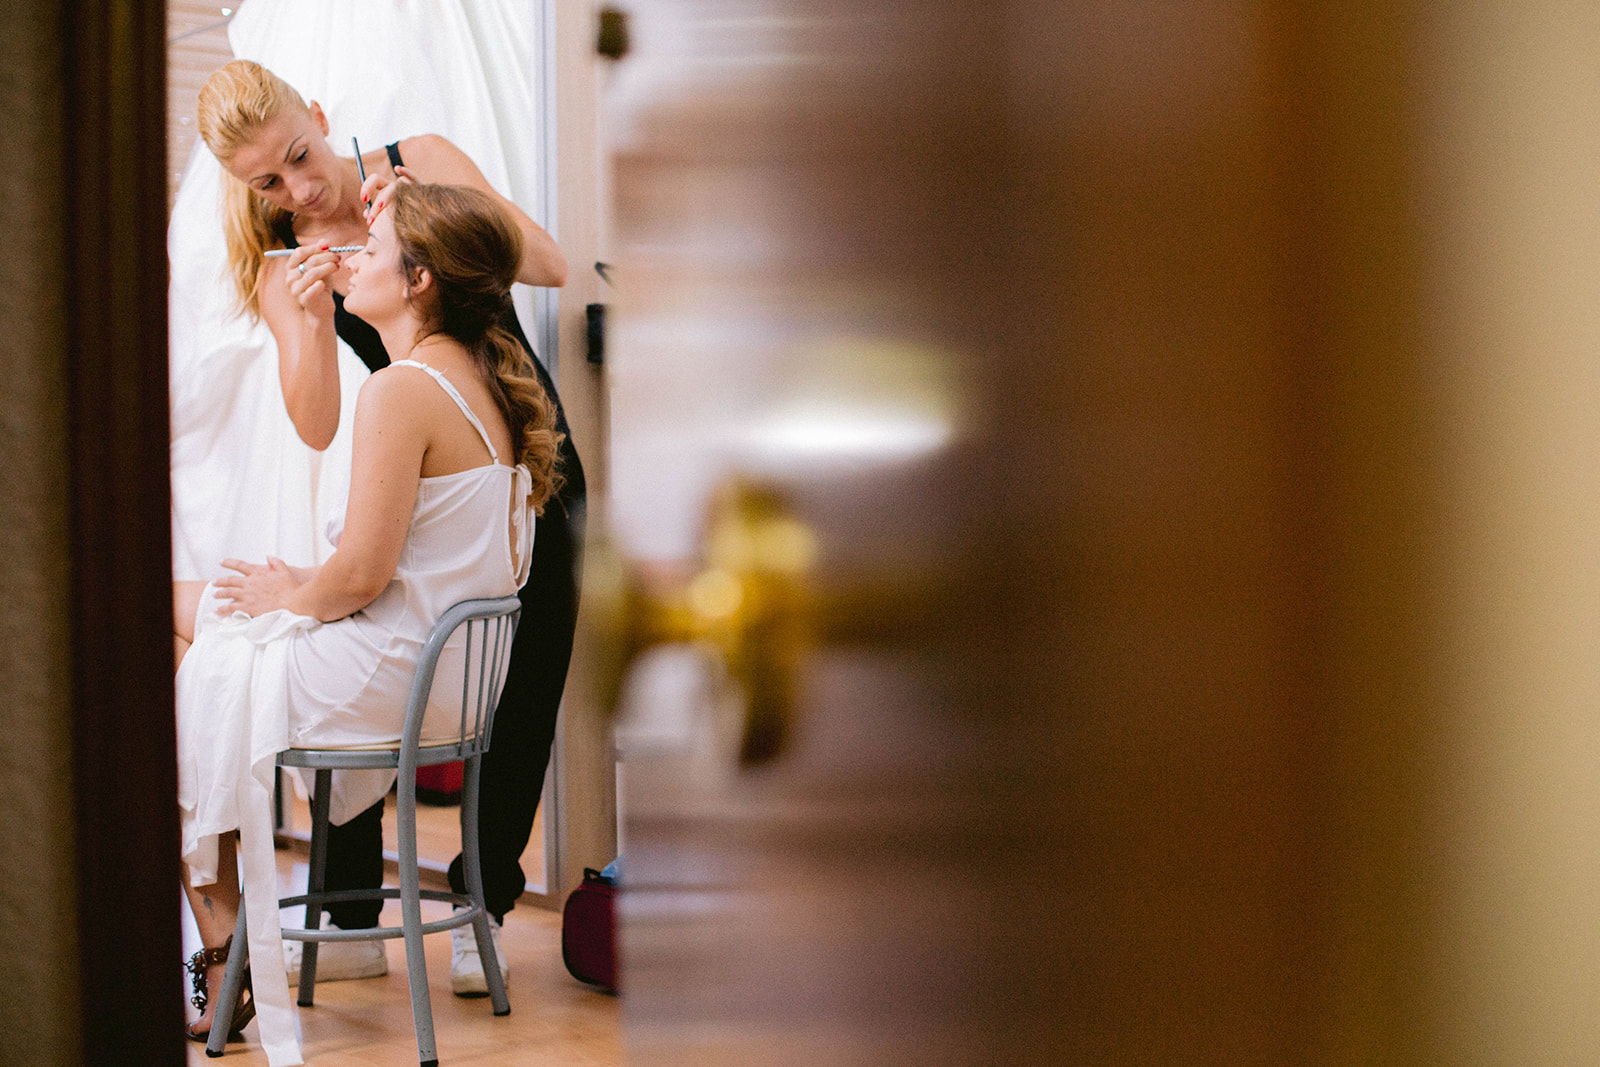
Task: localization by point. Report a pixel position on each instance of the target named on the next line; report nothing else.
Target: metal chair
(491, 624)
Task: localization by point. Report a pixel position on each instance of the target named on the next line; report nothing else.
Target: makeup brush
(335, 248)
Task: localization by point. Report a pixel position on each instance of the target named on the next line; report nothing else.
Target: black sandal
(243, 1011)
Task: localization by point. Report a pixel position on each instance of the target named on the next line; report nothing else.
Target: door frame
(580, 789)
(114, 276)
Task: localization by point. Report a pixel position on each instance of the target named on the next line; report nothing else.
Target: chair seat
(381, 755)
(423, 745)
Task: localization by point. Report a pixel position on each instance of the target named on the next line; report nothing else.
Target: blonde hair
(471, 248)
(235, 102)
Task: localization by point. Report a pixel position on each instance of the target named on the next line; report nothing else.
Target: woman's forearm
(431, 158)
(338, 588)
(543, 262)
(303, 575)
(308, 372)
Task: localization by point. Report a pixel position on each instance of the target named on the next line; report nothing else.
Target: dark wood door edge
(114, 223)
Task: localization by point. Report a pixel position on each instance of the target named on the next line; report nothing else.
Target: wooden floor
(554, 1020)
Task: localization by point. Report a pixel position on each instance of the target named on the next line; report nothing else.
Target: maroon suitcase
(589, 931)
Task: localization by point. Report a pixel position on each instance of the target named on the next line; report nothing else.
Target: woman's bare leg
(185, 603)
(216, 910)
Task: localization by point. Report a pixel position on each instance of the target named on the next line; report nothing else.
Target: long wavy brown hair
(471, 248)
(235, 102)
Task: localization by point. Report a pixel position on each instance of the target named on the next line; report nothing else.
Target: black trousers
(524, 726)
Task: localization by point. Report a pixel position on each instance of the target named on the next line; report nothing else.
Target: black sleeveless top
(363, 339)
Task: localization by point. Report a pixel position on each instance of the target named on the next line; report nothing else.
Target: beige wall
(38, 949)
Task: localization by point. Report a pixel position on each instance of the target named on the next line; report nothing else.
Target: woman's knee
(185, 605)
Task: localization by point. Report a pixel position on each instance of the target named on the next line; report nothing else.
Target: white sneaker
(338, 961)
(466, 966)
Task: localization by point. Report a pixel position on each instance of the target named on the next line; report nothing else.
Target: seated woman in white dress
(284, 656)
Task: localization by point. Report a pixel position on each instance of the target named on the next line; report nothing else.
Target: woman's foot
(206, 969)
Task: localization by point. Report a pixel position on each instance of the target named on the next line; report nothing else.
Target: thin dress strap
(444, 383)
(521, 518)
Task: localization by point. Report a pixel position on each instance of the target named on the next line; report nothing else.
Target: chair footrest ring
(388, 892)
(373, 933)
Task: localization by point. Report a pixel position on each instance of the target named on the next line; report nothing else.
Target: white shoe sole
(469, 985)
(345, 961)
(474, 984)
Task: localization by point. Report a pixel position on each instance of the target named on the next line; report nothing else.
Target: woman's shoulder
(425, 149)
(405, 379)
(394, 384)
(433, 158)
(396, 399)
(405, 395)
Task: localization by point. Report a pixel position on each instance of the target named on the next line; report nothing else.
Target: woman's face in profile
(376, 289)
(288, 162)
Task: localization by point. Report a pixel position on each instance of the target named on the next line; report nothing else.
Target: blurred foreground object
(1107, 352)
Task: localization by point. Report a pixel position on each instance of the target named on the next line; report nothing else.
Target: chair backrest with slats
(489, 627)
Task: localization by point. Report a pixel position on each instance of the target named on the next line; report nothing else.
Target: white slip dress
(248, 688)
(243, 483)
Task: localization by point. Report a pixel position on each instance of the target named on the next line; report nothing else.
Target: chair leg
(316, 880)
(411, 919)
(473, 869)
(228, 995)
